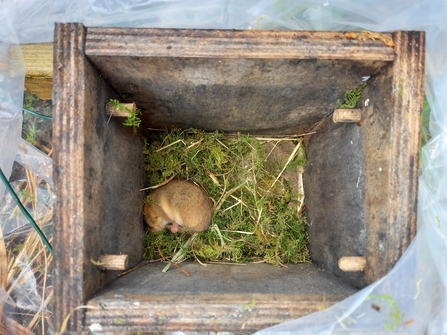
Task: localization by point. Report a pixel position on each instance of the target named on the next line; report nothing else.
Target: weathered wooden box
(360, 182)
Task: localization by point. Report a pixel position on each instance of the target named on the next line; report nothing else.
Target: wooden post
(121, 112)
(347, 115)
(113, 262)
(352, 264)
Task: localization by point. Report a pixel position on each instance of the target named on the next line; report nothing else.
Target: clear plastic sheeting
(36, 195)
(7, 307)
(35, 160)
(12, 74)
(409, 300)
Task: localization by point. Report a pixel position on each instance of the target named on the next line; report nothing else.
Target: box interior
(269, 97)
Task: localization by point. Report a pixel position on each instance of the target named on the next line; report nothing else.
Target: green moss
(133, 120)
(255, 215)
(351, 97)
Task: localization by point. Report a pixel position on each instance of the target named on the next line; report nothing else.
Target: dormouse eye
(151, 219)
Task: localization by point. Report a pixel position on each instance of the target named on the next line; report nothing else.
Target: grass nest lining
(256, 187)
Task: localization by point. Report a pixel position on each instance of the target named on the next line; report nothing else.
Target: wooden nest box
(360, 181)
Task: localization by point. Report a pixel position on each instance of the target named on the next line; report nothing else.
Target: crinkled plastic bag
(12, 74)
(409, 300)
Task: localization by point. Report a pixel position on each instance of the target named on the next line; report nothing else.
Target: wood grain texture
(40, 86)
(215, 297)
(67, 174)
(93, 186)
(38, 59)
(203, 312)
(257, 82)
(203, 43)
(368, 207)
(391, 213)
(39, 68)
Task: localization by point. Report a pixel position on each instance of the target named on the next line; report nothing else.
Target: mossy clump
(351, 97)
(133, 119)
(256, 215)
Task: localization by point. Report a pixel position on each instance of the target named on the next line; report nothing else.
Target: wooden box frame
(98, 166)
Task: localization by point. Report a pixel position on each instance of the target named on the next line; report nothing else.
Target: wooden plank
(218, 81)
(215, 297)
(68, 173)
(203, 43)
(38, 59)
(334, 186)
(98, 209)
(39, 68)
(392, 214)
(42, 87)
(257, 82)
(256, 96)
(368, 208)
(202, 312)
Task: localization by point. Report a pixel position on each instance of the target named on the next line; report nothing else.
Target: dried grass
(25, 262)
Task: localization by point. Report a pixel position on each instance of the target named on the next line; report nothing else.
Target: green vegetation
(18, 247)
(31, 134)
(37, 126)
(425, 131)
(426, 111)
(395, 314)
(133, 120)
(351, 97)
(27, 197)
(29, 101)
(256, 201)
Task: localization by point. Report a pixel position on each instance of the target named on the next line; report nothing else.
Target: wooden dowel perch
(113, 262)
(121, 112)
(352, 264)
(347, 115)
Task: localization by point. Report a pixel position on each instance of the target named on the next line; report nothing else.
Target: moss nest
(256, 187)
